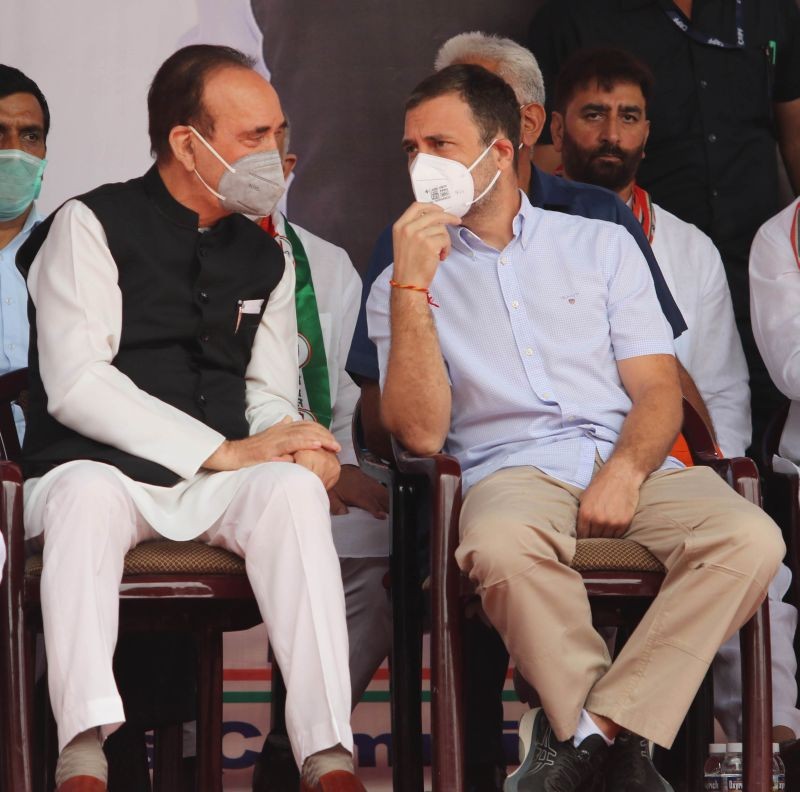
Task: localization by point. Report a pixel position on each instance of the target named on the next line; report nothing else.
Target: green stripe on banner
(370, 697)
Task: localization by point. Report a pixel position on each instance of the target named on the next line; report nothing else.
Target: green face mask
(20, 181)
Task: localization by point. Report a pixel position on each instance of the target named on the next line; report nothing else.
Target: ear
(557, 130)
(646, 136)
(289, 161)
(504, 156)
(533, 118)
(181, 142)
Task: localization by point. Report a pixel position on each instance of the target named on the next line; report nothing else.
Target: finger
(282, 458)
(337, 504)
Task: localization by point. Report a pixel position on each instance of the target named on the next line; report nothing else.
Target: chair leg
(405, 666)
(699, 730)
(447, 721)
(209, 712)
(168, 764)
(757, 702)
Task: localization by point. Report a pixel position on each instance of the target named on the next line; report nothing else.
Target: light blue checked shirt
(531, 336)
(14, 308)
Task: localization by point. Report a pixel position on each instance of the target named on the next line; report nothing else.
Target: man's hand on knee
(321, 463)
(278, 443)
(608, 504)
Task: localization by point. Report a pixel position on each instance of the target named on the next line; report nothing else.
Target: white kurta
(710, 350)
(775, 312)
(337, 288)
(74, 270)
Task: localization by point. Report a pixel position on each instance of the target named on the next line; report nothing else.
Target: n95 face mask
(253, 185)
(447, 183)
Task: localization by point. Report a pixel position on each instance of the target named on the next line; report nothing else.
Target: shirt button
(547, 396)
(714, 193)
(529, 352)
(504, 260)
(8, 301)
(11, 347)
(205, 338)
(515, 304)
(201, 400)
(704, 83)
(203, 296)
(712, 138)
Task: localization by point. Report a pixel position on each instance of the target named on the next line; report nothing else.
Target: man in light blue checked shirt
(530, 345)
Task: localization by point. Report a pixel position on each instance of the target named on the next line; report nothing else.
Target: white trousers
(728, 670)
(277, 521)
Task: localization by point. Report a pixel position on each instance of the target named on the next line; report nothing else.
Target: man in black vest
(164, 377)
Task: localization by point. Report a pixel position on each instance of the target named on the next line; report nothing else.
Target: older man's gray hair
(515, 64)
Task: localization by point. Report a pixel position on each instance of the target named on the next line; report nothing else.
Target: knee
(757, 543)
(499, 549)
(85, 491)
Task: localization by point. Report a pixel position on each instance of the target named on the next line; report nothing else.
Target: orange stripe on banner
(265, 674)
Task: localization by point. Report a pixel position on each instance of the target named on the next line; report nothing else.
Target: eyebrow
(27, 128)
(406, 142)
(598, 106)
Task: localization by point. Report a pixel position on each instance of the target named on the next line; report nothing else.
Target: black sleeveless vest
(183, 339)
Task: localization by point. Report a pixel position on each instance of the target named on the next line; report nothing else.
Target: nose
(610, 131)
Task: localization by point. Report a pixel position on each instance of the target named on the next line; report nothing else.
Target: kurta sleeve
(273, 375)
(73, 285)
(774, 298)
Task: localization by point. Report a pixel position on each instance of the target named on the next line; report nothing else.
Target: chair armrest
(11, 526)
(740, 472)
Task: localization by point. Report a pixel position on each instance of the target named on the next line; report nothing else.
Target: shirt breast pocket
(574, 317)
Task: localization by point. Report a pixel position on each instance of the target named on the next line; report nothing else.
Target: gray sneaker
(630, 768)
(547, 765)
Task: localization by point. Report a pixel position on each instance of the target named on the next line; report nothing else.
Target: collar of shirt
(31, 221)
(522, 227)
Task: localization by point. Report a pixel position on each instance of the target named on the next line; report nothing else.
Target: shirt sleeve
(362, 362)
(73, 285)
(774, 297)
(379, 322)
(669, 307)
(347, 392)
(718, 365)
(636, 323)
(273, 374)
(787, 56)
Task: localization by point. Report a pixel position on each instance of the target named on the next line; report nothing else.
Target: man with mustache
(600, 128)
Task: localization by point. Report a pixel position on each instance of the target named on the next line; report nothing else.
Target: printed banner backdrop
(343, 71)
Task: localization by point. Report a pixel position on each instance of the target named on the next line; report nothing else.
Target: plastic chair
(166, 586)
(620, 576)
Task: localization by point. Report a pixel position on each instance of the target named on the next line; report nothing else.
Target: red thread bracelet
(411, 287)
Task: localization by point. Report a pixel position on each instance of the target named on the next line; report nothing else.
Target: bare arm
(609, 502)
(416, 398)
(692, 395)
(787, 117)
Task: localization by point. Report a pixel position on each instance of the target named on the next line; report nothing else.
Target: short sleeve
(637, 324)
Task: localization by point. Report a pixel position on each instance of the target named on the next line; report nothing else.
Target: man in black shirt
(727, 87)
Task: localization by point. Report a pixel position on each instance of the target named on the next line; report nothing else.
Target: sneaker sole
(526, 752)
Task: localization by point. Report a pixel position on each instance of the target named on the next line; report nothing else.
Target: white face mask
(446, 182)
(253, 185)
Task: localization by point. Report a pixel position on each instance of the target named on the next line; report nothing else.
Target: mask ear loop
(496, 176)
(212, 149)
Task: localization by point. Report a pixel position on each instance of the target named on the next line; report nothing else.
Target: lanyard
(681, 20)
(642, 208)
(314, 380)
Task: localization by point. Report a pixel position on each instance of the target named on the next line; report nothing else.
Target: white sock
(83, 755)
(316, 765)
(586, 728)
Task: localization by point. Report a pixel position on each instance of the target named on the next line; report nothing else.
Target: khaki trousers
(720, 552)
